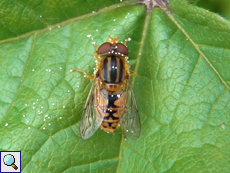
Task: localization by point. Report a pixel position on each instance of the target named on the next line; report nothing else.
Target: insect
(111, 100)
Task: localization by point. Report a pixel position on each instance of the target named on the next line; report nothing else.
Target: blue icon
(9, 160)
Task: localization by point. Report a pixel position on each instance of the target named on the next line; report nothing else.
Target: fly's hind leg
(89, 77)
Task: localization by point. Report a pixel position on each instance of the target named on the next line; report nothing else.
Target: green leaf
(182, 86)
(221, 7)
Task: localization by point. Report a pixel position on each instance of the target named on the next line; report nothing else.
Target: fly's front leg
(96, 56)
(95, 53)
(89, 77)
(126, 40)
(94, 44)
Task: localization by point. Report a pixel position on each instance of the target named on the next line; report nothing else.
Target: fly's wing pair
(93, 113)
(130, 122)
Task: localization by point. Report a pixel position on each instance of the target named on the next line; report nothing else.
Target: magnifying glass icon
(9, 160)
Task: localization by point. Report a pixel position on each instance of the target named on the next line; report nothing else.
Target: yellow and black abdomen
(115, 109)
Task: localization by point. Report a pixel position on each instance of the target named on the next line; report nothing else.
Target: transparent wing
(92, 114)
(130, 121)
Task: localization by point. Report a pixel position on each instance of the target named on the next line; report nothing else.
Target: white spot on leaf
(223, 126)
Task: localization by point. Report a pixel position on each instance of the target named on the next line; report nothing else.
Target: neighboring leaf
(221, 7)
(21, 16)
(182, 90)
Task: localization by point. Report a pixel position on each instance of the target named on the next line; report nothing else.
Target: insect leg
(95, 53)
(95, 46)
(96, 56)
(133, 73)
(126, 40)
(90, 77)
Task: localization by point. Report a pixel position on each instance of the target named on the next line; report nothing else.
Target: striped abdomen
(112, 70)
(113, 113)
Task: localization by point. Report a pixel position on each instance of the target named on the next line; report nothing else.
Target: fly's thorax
(113, 69)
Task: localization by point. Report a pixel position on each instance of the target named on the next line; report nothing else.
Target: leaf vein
(197, 48)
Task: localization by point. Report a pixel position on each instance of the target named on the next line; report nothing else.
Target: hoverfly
(111, 100)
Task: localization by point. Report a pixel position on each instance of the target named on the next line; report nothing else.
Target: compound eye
(104, 48)
(122, 49)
